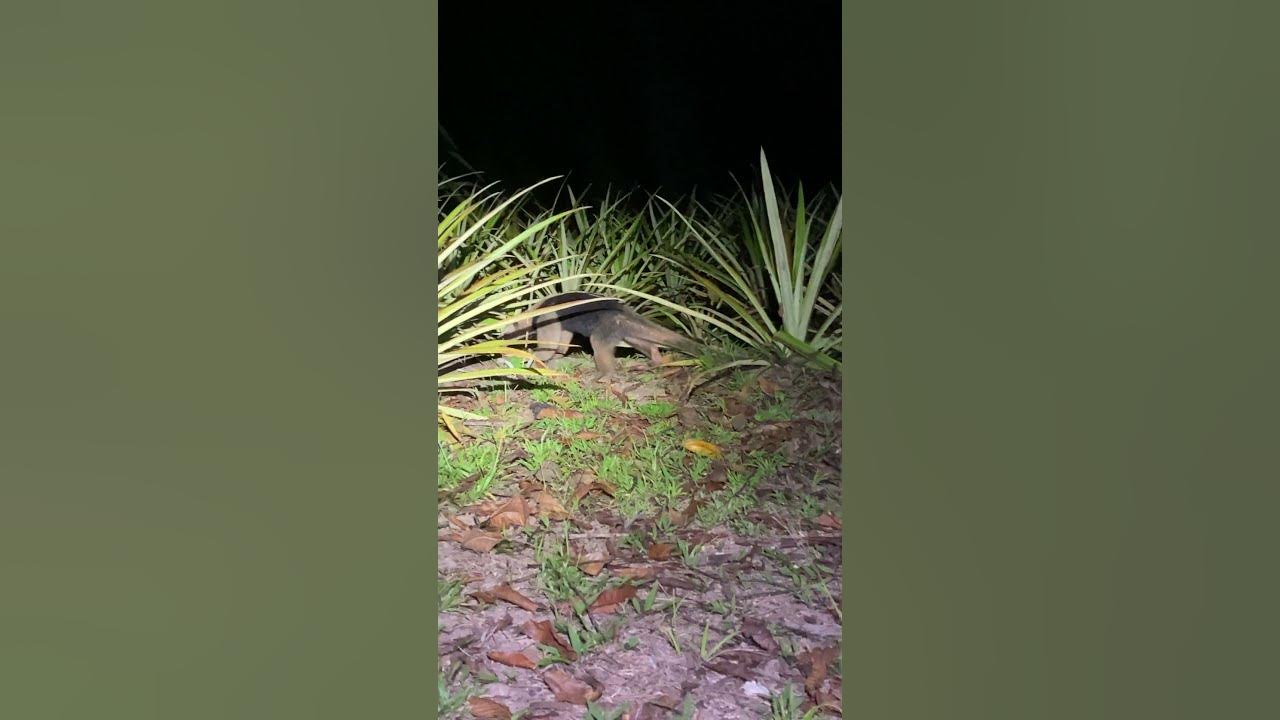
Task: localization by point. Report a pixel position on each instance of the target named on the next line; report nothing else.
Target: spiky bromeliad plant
(476, 283)
(797, 271)
(608, 242)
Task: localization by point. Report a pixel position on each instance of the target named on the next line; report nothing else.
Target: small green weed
(804, 575)
(450, 593)
(786, 706)
(635, 541)
(461, 462)
(591, 400)
(709, 653)
(780, 411)
(476, 463)
(600, 712)
(540, 452)
(766, 464)
(656, 410)
(560, 578)
(688, 553)
(670, 630)
(552, 656)
(450, 704)
(722, 608)
(545, 394)
(722, 436)
(644, 607)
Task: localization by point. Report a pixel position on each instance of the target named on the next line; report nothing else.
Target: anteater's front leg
(603, 350)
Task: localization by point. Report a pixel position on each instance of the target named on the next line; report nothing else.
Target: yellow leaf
(702, 447)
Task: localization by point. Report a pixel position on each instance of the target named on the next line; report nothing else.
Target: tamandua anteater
(607, 323)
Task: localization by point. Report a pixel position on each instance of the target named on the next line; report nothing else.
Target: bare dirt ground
(711, 592)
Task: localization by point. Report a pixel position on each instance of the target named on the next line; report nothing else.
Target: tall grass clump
(477, 235)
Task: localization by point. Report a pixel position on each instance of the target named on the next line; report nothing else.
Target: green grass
(786, 706)
(559, 577)
(540, 452)
(778, 411)
(477, 462)
(449, 594)
(600, 712)
(807, 575)
(656, 410)
(451, 702)
(648, 476)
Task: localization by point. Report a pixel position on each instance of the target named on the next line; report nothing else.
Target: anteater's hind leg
(553, 340)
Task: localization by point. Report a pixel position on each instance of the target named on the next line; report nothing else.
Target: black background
(657, 95)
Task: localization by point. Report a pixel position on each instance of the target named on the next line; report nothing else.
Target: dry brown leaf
(767, 386)
(583, 489)
(817, 661)
(636, 427)
(480, 541)
(568, 689)
(668, 701)
(716, 477)
(465, 484)
(514, 659)
(486, 709)
(588, 435)
(514, 453)
(830, 699)
(592, 563)
(549, 506)
(548, 473)
(485, 508)
(609, 600)
(680, 518)
(463, 522)
(635, 572)
(735, 406)
(733, 667)
(827, 520)
(543, 633)
(660, 551)
(549, 411)
(513, 596)
(755, 630)
(514, 513)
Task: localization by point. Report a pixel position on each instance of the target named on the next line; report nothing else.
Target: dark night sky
(648, 94)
